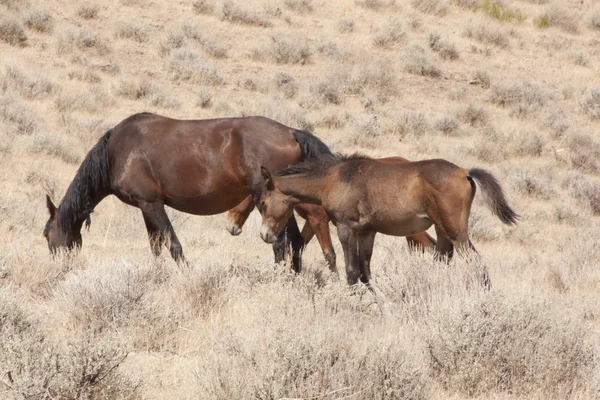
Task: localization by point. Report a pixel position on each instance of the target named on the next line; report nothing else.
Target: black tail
(91, 183)
(494, 196)
(312, 147)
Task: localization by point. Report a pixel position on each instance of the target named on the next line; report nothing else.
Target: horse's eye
(263, 205)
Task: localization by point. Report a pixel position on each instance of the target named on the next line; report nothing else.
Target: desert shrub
(83, 367)
(532, 183)
(56, 146)
(25, 85)
(590, 103)
(15, 5)
(173, 40)
(473, 115)
(495, 345)
(130, 30)
(39, 20)
(488, 34)
(482, 78)
(83, 39)
(164, 101)
(89, 99)
(284, 50)
(528, 145)
(328, 91)
(584, 152)
(286, 84)
(301, 6)
(374, 4)
(84, 76)
(238, 12)
(433, 7)
(407, 123)
(371, 77)
(203, 98)
(522, 98)
(446, 50)
(18, 116)
(499, 10)
(560, 17)
(88, 10)
(186, 65)
(585, 190)
(388, 33)
(447, 125)
(12, 32)
(346, 25)
(557, 122)
(135, 89)
(203, 7)
(415, 62)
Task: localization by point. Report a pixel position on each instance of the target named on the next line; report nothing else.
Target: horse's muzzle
(267, 234)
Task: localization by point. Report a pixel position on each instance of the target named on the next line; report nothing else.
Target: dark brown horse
(362, 196)
(317, 224)
(200, 167)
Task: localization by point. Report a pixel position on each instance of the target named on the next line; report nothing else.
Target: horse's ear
(267, 178)
(51, 206)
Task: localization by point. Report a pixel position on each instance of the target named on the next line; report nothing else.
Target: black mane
(320, 164)
(92, 179)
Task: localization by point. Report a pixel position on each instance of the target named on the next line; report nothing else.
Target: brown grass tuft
(446, 50)
(239, 12)
(203, 7)
(12, 32)
(88, 10)
(39, 20)
(590, 103)
(415, 62)
(388, 33)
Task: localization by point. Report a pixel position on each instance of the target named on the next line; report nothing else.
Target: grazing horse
(317, 224)
(200, 167)
(362, 196)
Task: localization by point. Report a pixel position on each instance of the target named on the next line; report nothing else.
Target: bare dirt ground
(510, 86)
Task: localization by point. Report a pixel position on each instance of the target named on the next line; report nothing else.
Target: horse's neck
(307, 189)
(75, 213)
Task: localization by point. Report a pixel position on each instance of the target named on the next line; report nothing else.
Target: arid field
(509, 86)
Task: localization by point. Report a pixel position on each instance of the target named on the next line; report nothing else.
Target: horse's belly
(208, 204)
(405, 226)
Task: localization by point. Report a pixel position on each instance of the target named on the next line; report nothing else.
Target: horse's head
(57, 238)
(275, 207)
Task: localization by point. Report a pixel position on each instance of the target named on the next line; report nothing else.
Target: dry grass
(446, 50)
(39, 20)
(416, 62)
(12, 32)
(388, 34)
(380, 77)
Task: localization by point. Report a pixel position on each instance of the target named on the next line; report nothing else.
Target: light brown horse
(362, 196)
(317, 224)
(200, 167)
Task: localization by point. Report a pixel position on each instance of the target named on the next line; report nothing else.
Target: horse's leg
(365, 251)
(156, 217)
(290, 236)
(421, 241)
(155, 236)
(349, 242)
(237, 216)
(320, 226)
(444, 248)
